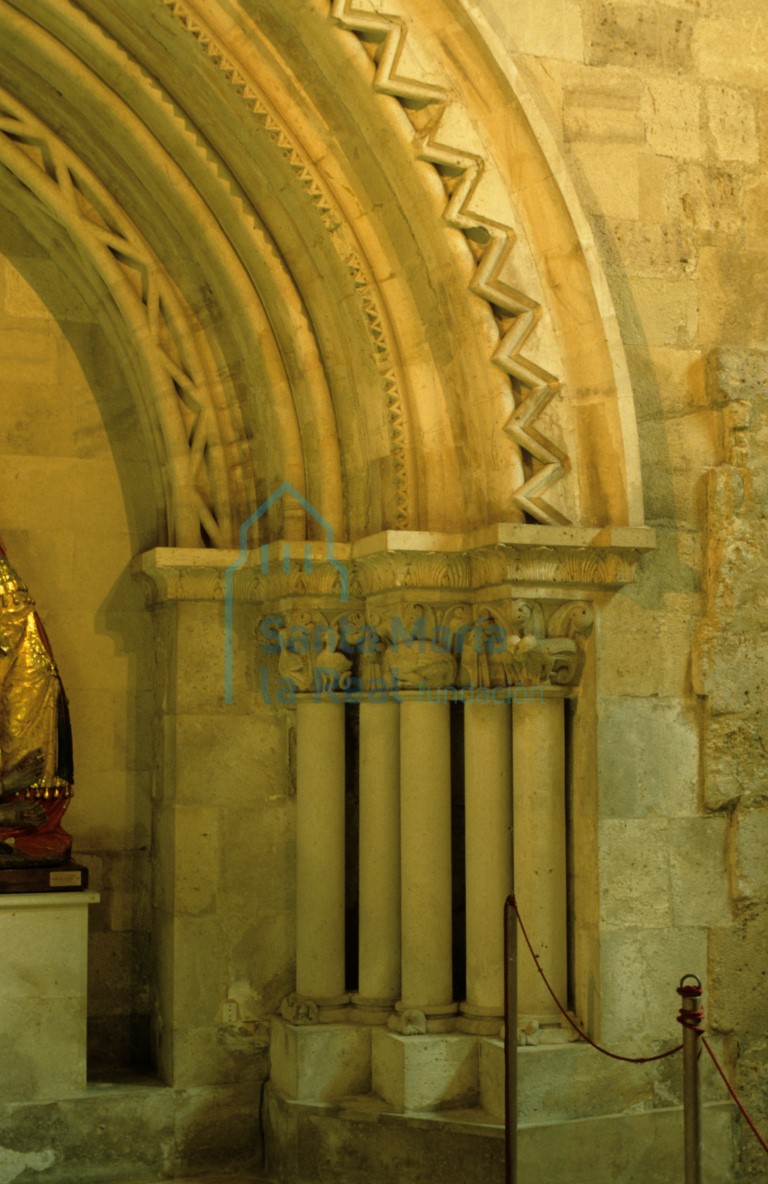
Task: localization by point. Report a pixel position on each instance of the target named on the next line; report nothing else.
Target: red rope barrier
(689, 1019)
(733, 1094)
(606, 1052)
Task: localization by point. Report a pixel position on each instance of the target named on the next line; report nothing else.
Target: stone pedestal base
(43, 985)
(424, 1072)
(320, 1062)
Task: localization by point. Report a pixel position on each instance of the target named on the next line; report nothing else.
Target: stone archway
(364, 296)
(370, 272)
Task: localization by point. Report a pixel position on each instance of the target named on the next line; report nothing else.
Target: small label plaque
(65, 879)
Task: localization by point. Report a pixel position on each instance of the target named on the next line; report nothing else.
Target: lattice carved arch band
(175, 378)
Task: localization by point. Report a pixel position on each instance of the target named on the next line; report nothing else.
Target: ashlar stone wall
(659, 111)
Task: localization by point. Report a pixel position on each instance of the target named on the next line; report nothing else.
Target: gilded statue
(36, 770)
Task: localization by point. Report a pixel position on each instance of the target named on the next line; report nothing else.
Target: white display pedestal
(43, 993)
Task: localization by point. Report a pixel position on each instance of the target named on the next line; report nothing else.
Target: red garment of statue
(35, 736)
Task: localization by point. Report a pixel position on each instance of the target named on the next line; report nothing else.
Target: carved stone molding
(515, 312)
(280, 138)
(180, 394)
(497, 563)
(461, 171)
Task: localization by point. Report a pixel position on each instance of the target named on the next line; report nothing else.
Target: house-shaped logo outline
(285, 489)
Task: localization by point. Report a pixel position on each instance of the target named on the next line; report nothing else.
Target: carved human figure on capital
(36, 770)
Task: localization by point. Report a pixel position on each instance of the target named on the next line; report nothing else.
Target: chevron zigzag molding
(515, 312)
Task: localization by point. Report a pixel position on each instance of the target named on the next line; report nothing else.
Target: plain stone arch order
(339, 248)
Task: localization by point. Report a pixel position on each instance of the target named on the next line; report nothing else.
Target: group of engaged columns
(514, 787)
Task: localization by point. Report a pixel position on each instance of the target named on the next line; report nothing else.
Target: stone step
(359, 1141)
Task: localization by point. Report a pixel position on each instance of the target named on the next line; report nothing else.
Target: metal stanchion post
(510, 1040)
(690, 1016)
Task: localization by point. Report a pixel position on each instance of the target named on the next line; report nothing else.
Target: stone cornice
(556, 561)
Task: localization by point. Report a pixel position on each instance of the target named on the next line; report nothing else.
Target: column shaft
(379, 893)
(425, 828)
(320, 971)
(538, 757)
(488, 855)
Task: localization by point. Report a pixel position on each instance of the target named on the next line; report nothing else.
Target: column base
(544, 1029)
(480, 1021)
(316, 1009)
(424, 1072)
(412, 1019)
(320, 1062)
(371, 1012)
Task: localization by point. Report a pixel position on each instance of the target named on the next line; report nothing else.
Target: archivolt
(299, 309)
(171, 365)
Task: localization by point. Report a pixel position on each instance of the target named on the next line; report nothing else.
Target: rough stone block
(424, 1072)
(721, 283)
(736, 375)
(634, 35)
(634, 873)
(666, 312)
(320, 1062)
(750, 872)
(218, 1055)
(118, 1133)
(557, 1083)
(648, 758)
(491, 1076)
(629, 631)
(364, 1145)
(721, 50)
(261, 961)
(199, 971)
(647, 249)
(118, 972)
(612, 175)
(219, 759)
(641, 969)
(632, 1148)
(698, 884)
(553, 28)
(604, 112)
(672, 110)
(196, 858)
(216, 1129)
(737, 982)
(731, 117)
(755, 204)
(730, 669)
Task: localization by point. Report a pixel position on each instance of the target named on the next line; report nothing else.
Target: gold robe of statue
(35, 738)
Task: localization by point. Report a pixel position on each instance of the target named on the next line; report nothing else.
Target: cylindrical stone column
(538, 779)
(488, 856)
(425, 837)
(320, 971)
(379, 890)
